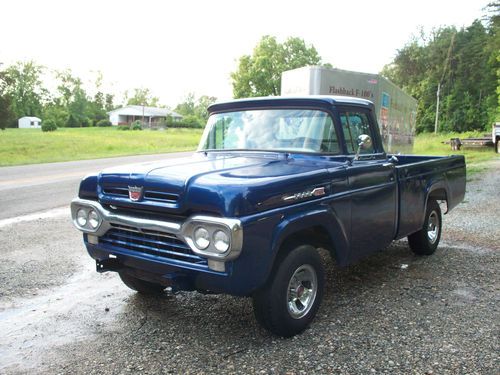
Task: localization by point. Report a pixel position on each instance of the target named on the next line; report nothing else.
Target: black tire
(141, 286)
(426, 240)
(278, 306)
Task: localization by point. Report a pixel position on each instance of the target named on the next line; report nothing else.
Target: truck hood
(226, 184)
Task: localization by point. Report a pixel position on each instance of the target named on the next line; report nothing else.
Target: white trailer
(29, 122)
(396, 111)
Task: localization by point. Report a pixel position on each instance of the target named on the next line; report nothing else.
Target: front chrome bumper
(182, 230)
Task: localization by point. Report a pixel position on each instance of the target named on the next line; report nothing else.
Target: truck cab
(273, 181)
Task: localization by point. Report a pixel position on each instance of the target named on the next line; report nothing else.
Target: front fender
(335, 222)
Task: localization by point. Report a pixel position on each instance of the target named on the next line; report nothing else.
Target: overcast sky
(177, 47)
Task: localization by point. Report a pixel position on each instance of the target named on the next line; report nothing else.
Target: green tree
(109, 106)
(260, 74)
(56, 113)
(7, 117)
(463, 64)
(195, 108)
(202, 104)
(97, 106)
(141, 96)
(187, 107)
(493, 21)
(74, 99)
(73, 121)
(24, 89)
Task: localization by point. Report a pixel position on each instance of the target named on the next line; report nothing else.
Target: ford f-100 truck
(273, 180)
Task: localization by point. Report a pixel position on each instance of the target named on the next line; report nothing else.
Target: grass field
(27, 146)
(475, 157)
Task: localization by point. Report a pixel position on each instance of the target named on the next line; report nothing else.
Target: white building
(149, 115)
(28, 122)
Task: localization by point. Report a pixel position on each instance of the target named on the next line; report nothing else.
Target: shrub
(57, 114)
(85, 122)
(49, 126)
(123, 127)
(103, 123)
(136, 125)
(189, 121)
(72, 122)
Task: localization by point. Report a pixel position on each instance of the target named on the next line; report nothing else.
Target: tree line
(464, 63)
(24, 92)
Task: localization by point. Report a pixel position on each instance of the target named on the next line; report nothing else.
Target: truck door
(372, 186)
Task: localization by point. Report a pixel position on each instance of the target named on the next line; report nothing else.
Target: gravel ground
(393, 313)
(31, 249)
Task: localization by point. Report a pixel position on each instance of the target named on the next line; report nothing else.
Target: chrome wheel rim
(433, 227)
(302, 290)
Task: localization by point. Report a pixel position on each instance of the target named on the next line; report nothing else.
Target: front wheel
(290, 300)
(426, 240)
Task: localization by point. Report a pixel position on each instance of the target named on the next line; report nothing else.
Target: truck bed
(416, 176)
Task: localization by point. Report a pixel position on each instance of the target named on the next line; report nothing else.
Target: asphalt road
(393, 313)
(40, 187)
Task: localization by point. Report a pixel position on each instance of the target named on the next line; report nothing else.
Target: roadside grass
(30, 146)
(476, 158)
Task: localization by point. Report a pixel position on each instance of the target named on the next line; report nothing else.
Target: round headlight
(201, 238)
(93, 219)
(221, 241)
(81, 217)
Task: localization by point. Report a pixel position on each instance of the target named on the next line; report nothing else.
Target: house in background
(149, 116)
(28, 122)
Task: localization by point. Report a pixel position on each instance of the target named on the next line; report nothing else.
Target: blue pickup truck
(273, 181)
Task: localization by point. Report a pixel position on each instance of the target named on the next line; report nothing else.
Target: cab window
(353, 125)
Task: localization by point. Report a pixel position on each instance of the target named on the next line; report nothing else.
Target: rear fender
(434, 187)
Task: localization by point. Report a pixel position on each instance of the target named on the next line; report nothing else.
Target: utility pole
(441, 81)
(437, 108)
(143, 114)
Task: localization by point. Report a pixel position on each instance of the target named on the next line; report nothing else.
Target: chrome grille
(149, 195)
(150, 242)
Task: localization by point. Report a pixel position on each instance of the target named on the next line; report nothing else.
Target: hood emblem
(135, 193)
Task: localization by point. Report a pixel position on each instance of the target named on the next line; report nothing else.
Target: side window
(353, 125)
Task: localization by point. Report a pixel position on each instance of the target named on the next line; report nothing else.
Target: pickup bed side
(421, 177)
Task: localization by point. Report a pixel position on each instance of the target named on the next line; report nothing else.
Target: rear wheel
(141, 286)
(426, 240)
(291, 298)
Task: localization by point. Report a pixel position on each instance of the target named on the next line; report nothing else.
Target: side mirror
(364, 142)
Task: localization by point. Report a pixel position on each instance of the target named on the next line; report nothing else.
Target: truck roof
(320, 100)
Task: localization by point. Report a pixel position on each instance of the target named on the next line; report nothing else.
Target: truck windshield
(299, 130)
